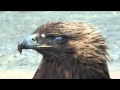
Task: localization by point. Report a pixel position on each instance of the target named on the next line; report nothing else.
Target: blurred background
(15, 25)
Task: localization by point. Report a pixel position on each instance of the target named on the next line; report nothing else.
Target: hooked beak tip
(19, 49)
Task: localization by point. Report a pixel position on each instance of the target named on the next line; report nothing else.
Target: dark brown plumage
(71, 50)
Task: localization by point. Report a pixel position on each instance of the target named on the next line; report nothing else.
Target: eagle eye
(58, 39)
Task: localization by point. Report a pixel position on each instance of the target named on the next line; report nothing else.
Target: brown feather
(83, 56)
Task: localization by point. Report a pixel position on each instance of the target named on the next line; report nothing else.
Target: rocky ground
(14, 25)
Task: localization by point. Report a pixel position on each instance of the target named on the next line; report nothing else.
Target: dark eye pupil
(58, 39)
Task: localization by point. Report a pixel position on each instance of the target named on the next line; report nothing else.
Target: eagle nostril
(33, 39)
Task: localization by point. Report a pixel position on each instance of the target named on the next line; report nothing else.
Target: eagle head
(74, 49)
(77, 38)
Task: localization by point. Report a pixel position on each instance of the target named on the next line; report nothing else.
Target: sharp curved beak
(28, 42)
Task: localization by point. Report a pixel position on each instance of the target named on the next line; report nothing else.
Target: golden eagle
(71, 50)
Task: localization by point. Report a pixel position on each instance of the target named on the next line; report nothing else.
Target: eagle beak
(30, 42)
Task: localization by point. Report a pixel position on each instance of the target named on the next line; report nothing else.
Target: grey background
(15, 25)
